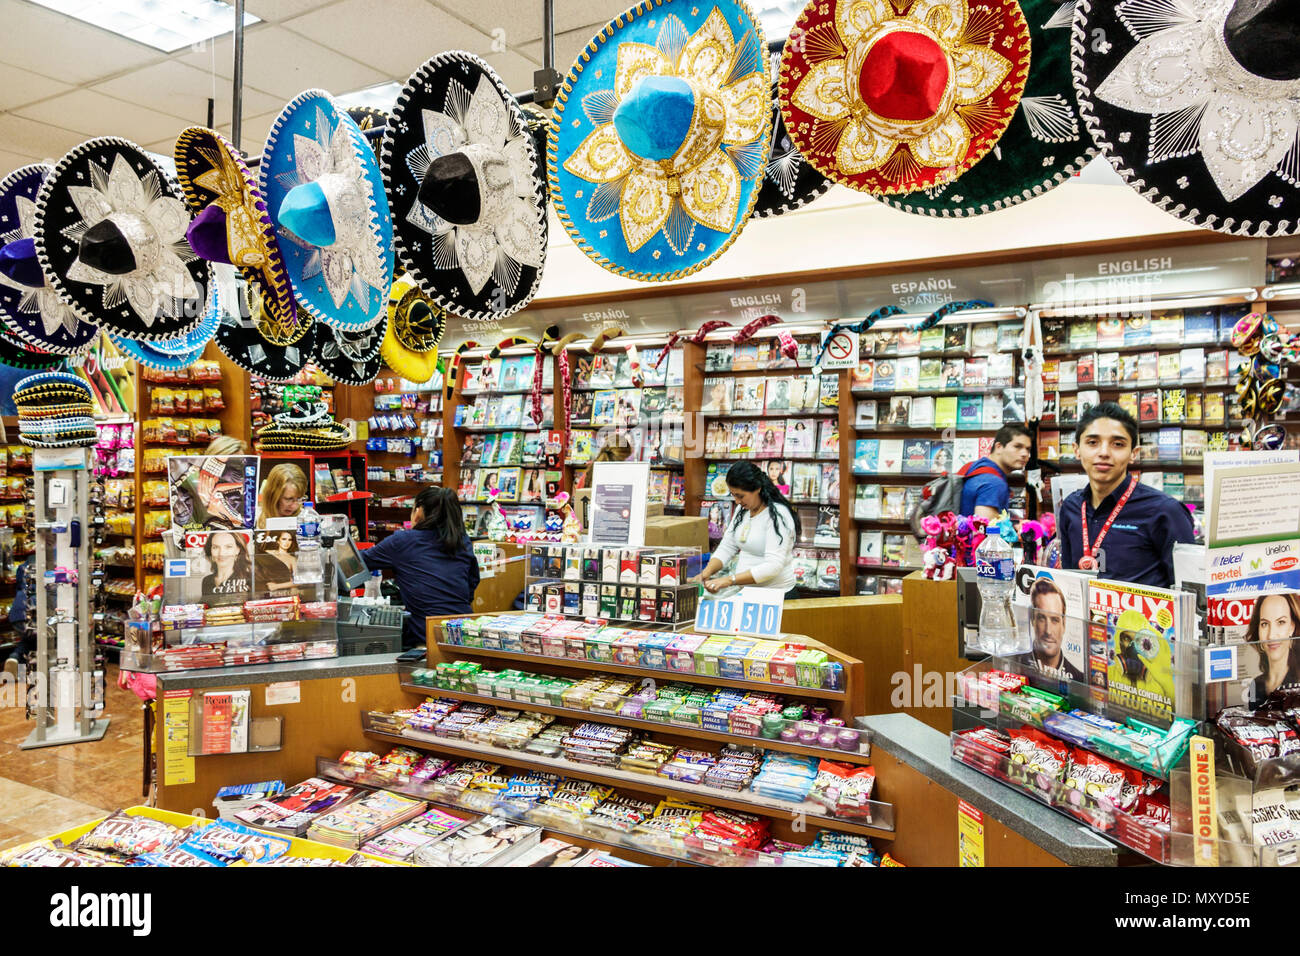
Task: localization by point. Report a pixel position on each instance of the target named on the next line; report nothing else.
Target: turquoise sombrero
(1045, 144)
(660, 137)
(29, 305)
(326, 197)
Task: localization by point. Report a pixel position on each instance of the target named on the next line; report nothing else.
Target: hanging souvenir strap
(884, 312)
(552, 332)
(603, 336)
(751, 329)
(454, 366)
(941, 313)
(698, 337)
(1031, 350)
(634, 366)
(1088, 562)
(566, 392)
(788, 346)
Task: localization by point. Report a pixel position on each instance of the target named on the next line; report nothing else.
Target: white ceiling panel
(515, 71)
(19, 87)
(95, 114)
(43, 41)
(407, 33)
(276, 10)
(284, 64)
(11, 161)
(521, 20)
(182, 91)
(40, 140)
(567, 46)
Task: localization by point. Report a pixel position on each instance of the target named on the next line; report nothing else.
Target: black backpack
(944, 494)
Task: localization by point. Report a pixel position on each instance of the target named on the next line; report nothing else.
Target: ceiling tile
(523, 22)
(515, 71)
(284, 64)
(79, 52)
(19, 87)
(351, 28)
(95, 114)
(11, 161)
(568, 46)
(277, 10)
(182, 91)
(42, 140)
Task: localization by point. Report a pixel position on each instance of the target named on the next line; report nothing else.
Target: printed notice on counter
(618, 500)
(1254, 505)
(178, 765)
(970, 835)
(283, 692)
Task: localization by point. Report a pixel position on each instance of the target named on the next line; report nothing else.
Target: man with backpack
(985, 491)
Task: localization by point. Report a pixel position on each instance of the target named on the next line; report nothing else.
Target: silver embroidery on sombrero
(153, 223)
(1200, 99)
(354, 262)
(507, 232)
(39, 300)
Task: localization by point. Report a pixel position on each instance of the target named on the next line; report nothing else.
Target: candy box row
(734, 658)
(669, 568)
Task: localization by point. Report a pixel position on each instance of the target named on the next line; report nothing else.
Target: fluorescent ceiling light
(166, 25)
(381, 97)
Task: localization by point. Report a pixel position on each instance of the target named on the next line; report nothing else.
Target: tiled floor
(49, 789)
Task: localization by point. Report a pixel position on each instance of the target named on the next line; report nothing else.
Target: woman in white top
(762, 532)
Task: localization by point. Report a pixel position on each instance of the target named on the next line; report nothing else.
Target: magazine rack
(197, 632)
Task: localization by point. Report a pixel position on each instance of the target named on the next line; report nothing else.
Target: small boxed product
(627, 649)
(672, 570)
(649, 569)
(627, 603)
(654, 651)
(600, 647)
(731, 662)
(680, 653)
(609, 601)
(629, 570)
(647, 604)
(758, 659)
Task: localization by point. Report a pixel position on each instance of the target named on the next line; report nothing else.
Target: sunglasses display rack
(404, 450)
(66, 691)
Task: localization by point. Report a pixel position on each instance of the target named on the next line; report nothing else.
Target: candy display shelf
(650, 673)
(554, 824)
(744, 801)
(861, 756)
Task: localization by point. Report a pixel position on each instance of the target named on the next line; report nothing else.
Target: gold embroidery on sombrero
(858, 136)
(245, 238)
(701, 182)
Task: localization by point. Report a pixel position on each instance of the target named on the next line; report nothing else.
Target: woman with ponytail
(432, 562)
(760, 535)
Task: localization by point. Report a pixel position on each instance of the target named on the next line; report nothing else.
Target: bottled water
(996, 566)
(372, 587)
(309, 568)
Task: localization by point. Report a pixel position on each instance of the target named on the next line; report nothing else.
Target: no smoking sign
(841, 351)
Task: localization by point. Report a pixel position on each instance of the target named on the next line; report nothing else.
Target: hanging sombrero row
(660, 137)
(892, 97)
(1197, 106)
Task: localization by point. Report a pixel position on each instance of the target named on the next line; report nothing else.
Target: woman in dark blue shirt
(432, 563)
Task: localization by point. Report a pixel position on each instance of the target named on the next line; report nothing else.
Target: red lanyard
(1088, 562)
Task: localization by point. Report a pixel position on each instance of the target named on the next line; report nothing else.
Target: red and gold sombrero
(892, 96)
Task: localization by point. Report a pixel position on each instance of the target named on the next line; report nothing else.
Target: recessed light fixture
(380, 97)
(166, 25)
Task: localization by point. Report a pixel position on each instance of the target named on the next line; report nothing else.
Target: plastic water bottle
(372, 587)
(309, 568)
(996, 566)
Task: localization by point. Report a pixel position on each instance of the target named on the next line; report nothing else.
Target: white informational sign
(754, 612)
(841, 351)
(1065, 485)
(1215, 460)
(283, 692)
(620, 490)
(1252, 523)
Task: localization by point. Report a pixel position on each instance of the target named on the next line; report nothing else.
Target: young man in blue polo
(985, 490)
(1117, 526)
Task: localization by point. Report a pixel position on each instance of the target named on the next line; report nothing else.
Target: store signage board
(1130, 277)
(57, 459)
(753, 612)
(619, 494)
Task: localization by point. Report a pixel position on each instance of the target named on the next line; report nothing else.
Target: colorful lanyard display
(1088, 562)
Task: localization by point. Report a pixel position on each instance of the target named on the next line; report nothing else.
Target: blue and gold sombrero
(660, 137)
(326, 197)
(29, 306)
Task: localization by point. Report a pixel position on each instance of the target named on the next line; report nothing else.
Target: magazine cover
(717, 396)
(1131, 631)
(718, 513)
(771, 439)
(830, 484)
(580, 413)
(828, 526)
(488, 841)
(828, 438)
(828, 570)
(806, 481)
(799, 438)
(715, 483)
(749, 395)
(778, 395)
(779, 471)
(742, 439)
(830, 391)
(718, 357)
(716, 437)
(1057, 620)
(220, 491)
